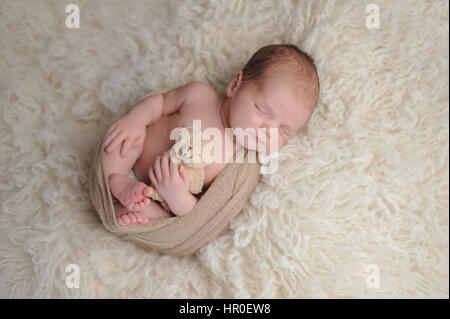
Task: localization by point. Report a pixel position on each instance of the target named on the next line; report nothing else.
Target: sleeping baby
(276, 92)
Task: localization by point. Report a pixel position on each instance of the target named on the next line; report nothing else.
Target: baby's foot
(131, 218)
(132, 194)
(127, 217)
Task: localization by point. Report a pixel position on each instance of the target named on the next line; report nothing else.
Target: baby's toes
(132, 218)
(138, 218)
(142, 203)
(148, 191)
(129, 205)
(124, 220)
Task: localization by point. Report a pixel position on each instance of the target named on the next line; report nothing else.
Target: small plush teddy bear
(183, 150)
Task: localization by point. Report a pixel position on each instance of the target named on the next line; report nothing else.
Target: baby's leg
(131, 193)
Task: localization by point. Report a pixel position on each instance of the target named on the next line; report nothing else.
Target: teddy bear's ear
(189, 127)
(181, 148)
(184, 136)
(207, 151)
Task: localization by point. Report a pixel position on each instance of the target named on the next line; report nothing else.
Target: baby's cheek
(251, 120)
(244, 118)
(239, 119)
(275, 142)
(247, 120)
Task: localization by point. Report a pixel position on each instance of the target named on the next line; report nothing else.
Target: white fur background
(364, 183)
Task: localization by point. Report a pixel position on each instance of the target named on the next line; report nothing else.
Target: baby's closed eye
(259, 108)
(286, 132)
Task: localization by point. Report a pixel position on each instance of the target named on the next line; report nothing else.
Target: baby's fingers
(157, 168)
(173, 167)
(111, 129)
(137, 141)
(110, 136)
(117, 140)
(165, 165)
(125, 147)
(152, 176)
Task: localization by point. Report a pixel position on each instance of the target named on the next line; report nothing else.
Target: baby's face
(270, 104)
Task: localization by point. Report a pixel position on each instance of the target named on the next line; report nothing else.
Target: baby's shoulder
(198, 92)
(204, 104)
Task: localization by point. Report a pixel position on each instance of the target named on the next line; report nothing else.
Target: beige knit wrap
(224, 199)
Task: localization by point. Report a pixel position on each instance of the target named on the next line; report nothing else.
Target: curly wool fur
(364, 183)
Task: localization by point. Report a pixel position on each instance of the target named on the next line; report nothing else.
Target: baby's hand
(169, 179)
(128, 129)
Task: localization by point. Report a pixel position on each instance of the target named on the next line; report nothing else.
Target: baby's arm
(132, 125)
(130, 129)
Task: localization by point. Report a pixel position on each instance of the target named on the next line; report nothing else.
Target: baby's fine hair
(276, 59)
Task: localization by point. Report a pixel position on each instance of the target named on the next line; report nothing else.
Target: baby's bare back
(205, 108)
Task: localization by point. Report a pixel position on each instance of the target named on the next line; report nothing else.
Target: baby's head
(277, 88)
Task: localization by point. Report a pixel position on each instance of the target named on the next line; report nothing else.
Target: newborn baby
(278, 88)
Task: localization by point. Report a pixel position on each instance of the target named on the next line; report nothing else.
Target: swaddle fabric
(181, 235)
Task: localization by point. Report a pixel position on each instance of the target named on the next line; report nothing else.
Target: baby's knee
(131, 153)
(117, 162)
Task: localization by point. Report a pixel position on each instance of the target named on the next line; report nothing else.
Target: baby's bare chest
(158, 140)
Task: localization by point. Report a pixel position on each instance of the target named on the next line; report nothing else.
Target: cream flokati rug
(358, 208)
